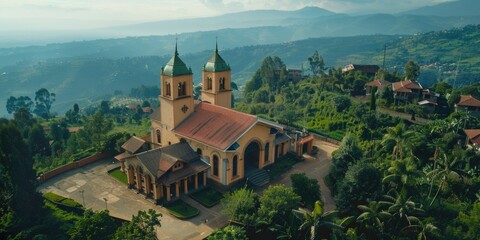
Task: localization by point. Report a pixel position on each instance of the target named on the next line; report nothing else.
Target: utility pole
(83, 198)
(384, 55)
(106, 207)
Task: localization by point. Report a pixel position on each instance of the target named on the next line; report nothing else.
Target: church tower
(176, 97)
(216, 79)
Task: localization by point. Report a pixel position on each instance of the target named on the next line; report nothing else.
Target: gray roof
(160, 160)
(281, 137)
(133, 144)
(155, 115)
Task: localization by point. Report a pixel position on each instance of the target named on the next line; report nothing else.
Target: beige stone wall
(171, 113)
(258, 133)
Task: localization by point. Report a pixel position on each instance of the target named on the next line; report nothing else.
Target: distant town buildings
(369, 70)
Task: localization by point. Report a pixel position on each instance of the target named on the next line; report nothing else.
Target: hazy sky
(84, 14)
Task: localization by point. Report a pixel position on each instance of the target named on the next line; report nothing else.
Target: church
(193, 140)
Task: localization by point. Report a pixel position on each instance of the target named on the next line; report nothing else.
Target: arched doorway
(251, 156)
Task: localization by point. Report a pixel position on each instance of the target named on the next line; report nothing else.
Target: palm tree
(317, 221)
(421, 228)
(404, 211)
(398, 137)
(403, 172)
(373, 217)
(445, 168)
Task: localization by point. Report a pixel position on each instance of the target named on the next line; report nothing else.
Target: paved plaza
(93, 186)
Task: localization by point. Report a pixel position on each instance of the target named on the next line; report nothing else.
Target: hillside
(454, 8)
(276, 27)
(82, 79)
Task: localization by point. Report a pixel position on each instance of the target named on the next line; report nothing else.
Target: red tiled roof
(469, 101)
(305, 139)
(214, 125)
(405, 86)
(378, 83)
(473, 135)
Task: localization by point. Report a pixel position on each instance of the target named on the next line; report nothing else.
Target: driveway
(96, 185)
(316, 166)
(101, 191)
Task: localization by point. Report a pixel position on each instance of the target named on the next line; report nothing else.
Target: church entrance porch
(251, 157)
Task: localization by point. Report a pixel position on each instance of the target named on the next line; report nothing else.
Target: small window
(209, 83)
(199, 151)
(222, 83)
(215, 165)
(235, 166)
(267, 150)
(168, 89)
(159, 136)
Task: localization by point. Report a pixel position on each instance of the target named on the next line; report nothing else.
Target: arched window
(184, 89)
(209, 83)
(222, 83)
(180, 89)
(235, 166)
(159, 136)
(168, 89)
(215, 165)
(267, 150)
(199, 151)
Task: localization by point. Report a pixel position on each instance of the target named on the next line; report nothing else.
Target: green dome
(216, 63)
(176, 67)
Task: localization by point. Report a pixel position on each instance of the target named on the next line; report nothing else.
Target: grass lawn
(282, 165)
(119, 175)
(208, 197)
(141, 129)
(62, 200)
(181, 209)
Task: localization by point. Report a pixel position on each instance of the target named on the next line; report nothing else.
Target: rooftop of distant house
(468, 101)
(406, 86)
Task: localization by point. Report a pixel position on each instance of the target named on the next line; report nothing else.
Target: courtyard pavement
(93, 186)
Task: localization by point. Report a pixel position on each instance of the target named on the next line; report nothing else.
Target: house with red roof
(380, 84)
(473, 138)
(193, 141)
(406, 91)
(468, 104)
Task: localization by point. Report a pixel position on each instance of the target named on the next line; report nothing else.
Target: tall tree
(277, 204)
(14, 104)
(307, 188)
(97, 128)
(397, 138)
(43, 103)
(241, 205)
(316, 223)
(22, 202)
(141, 227)
(412, 70)
(37, 141)
(317, 65)
(92, 226)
